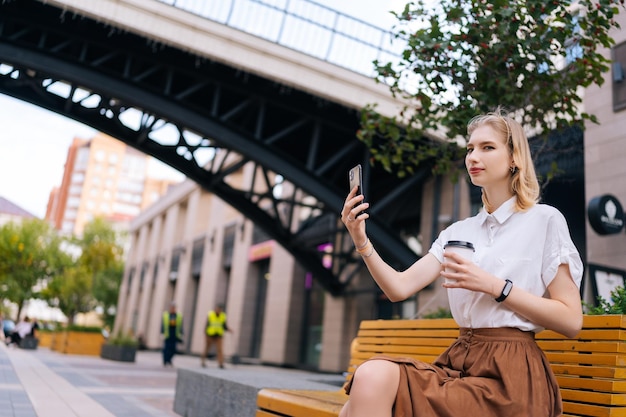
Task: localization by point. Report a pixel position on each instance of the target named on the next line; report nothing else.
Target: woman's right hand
(353, 216)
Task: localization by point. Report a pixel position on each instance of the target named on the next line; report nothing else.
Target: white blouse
(525, 247)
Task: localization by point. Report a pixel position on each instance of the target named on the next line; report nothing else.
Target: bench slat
(597, 384)
(301, 403)
(410, 324)
(362, 357)
(578, 346)
(598, 321)
(575, 395)
(584, 359)
(580, 409)
(590, 335)
(409, 350)
(418, 333)
(413, 341)
(589, 371)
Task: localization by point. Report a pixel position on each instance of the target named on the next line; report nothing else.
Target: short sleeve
(559, 249)
(437, 247)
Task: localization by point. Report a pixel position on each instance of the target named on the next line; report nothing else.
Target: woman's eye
(469, 150)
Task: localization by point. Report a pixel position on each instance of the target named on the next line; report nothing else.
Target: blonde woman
(524, 276)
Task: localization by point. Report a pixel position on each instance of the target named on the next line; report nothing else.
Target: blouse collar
(502, 214)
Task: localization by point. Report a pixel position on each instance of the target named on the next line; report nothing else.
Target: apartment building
(103, 177)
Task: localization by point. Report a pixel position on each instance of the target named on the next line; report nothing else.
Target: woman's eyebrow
(481, 143)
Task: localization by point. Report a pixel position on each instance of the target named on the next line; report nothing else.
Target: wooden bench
(590, 369)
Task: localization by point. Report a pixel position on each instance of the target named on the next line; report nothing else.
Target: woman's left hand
(463, 273)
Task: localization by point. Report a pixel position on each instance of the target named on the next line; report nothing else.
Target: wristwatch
(505, 291)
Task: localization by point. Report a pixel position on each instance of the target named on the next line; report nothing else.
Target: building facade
(605, 168)
(103, 177)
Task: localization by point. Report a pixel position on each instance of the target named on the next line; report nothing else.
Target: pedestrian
(172, 331)
(2, 335)
(21, 331)
(215, 327)
(34, 328)
(524, 276)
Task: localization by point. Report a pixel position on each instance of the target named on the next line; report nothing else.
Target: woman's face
(488, 160)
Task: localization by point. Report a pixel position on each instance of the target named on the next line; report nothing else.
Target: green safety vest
(216, 324)
(166, 325)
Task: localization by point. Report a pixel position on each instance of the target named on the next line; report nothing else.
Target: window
(618, 76)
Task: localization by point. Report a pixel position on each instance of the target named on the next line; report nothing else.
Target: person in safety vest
(172, 331)
(215, 328)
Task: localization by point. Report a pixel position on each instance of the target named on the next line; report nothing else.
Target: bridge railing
(305, 26)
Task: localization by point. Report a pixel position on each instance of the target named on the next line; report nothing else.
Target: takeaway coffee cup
(465, 249)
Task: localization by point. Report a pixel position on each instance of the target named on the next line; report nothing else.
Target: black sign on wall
(605, 214)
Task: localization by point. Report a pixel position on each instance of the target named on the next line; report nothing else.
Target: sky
(34, 141)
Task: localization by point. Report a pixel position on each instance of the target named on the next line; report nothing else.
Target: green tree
(71, 292)
(30, 255)
(95, 276)
(466, 57)
(102, 254)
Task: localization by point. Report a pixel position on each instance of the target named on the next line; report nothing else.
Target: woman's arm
(396, 285)
(562, 312)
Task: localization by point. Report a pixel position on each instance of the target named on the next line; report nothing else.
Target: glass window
(82, 159)
(78, 177)
(73, 202)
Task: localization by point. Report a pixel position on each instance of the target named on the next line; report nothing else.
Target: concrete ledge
(232, 392)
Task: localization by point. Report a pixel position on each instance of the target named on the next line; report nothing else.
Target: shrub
(440, 313)
(618, 305)
(85, 329)
(123, 340)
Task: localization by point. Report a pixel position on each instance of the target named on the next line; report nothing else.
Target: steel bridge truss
(208, 121)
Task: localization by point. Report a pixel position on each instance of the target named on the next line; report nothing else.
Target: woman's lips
(474, 171)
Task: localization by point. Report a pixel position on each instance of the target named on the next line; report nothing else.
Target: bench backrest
(590, 369)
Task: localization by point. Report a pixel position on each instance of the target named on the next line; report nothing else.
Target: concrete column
(132, 306)
(212, 270)
(282, 327)
(336, 335)
(152, 254)
(161, 298)
(241, 293)
(183, 295)
(122, 299)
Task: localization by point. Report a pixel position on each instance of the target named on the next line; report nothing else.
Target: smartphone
(355, 177)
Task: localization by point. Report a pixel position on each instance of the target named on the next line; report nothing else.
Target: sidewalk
(43, 383)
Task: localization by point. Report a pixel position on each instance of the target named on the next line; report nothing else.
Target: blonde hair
(523, 183)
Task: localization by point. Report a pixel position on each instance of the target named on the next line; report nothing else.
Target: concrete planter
(29, 342)
(78, 343)
(118, 353)
(45, 338)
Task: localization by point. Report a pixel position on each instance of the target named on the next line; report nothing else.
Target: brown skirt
(486, 372)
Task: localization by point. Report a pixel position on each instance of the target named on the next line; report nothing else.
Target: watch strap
(508, 285)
